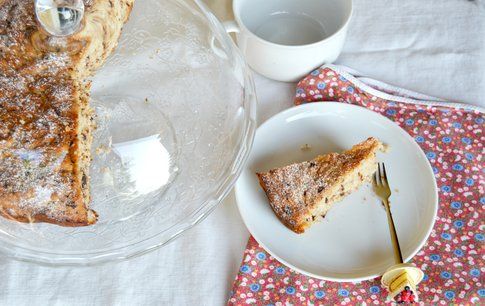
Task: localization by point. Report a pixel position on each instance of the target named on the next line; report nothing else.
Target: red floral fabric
(452, 259)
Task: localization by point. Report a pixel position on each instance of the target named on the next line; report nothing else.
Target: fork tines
(380, 177)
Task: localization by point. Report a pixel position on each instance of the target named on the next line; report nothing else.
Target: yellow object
(397, 277)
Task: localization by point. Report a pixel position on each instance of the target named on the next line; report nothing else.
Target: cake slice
(46, 123)
(302, 193)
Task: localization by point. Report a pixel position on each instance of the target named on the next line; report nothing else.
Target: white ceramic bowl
(285, 39)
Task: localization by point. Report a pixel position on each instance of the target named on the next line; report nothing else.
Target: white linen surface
(436, 47)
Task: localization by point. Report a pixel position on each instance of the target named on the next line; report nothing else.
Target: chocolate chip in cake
(84, 181)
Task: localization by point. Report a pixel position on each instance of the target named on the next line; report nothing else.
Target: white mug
(285, 39)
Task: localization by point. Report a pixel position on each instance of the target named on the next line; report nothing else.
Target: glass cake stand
(176, 116)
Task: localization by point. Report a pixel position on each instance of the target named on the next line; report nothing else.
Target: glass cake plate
(176, 114)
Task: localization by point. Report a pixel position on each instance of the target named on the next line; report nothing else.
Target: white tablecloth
(419, 45)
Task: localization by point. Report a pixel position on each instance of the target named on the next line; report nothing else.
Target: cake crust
(302, 193)
(46, 122)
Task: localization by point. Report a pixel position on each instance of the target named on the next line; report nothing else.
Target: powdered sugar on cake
(46, 129)
(295, 183)
(35, 111)
(302, 193)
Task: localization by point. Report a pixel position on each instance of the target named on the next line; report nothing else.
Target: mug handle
(230, 27)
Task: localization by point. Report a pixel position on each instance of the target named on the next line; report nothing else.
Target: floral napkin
(451, 135)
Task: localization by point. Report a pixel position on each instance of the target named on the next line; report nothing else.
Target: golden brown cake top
(37, 115)
(43, 93)
(295, 188)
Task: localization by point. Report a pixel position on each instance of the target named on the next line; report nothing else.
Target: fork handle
(392, 230)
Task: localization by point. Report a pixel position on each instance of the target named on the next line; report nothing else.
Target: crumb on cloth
(305, 147)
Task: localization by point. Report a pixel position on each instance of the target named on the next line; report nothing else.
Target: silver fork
(383, 191)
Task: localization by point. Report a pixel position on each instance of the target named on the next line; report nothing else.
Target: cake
(300, 194)
(46, 122)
